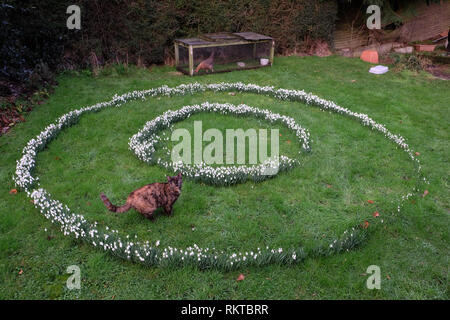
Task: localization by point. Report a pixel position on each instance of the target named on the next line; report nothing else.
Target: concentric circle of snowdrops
(153, 253)
(144, 145)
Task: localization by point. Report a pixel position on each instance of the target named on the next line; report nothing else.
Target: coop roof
(223, 38)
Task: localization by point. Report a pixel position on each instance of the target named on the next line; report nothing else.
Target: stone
(404, 50)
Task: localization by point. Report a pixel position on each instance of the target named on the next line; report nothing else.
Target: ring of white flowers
(144, 144)
(152, 253)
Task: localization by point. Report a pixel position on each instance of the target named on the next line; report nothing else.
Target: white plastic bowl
(379, 69)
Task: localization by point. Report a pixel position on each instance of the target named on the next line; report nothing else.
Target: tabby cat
(150, 197)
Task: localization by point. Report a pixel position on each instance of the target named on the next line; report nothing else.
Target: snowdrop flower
(144, 145)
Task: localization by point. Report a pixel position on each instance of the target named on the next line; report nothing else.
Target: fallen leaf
(57, 158)
(387, 276)
(329, 186)
(376, 214)
(288, 141)
(370, 201)
(50, 238)
(21, 271)
(13, 191)
(366, 224)
(353, 80)
(241, 277)
(425, 193)
(417, 153)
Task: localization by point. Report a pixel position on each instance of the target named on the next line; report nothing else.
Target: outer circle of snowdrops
(155, 253)
(144, 145)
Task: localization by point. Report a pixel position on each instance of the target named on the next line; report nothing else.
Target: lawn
(314, 202)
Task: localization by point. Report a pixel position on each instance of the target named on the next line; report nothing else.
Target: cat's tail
(112, 207)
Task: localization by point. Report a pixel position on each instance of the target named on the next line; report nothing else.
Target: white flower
(144, 142)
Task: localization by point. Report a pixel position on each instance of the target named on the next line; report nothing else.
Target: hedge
(142, 31)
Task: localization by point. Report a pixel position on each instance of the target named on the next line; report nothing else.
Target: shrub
(31, 38)
(411, 62)
(142, 31)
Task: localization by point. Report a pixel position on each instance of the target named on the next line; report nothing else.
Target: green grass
(295, 208)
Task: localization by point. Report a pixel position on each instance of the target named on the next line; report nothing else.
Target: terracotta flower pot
(370, 56)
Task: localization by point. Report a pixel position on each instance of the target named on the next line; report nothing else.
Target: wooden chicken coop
(223, 52)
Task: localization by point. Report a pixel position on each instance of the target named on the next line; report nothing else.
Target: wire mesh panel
(222, 52)
(183, 58)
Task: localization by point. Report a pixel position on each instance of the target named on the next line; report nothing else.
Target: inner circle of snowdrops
(144, 144)
(153, 253)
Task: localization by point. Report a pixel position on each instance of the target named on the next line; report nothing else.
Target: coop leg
(272, 52)
(191, 61)
(177, 55)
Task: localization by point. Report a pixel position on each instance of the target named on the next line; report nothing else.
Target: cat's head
(177, 180)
